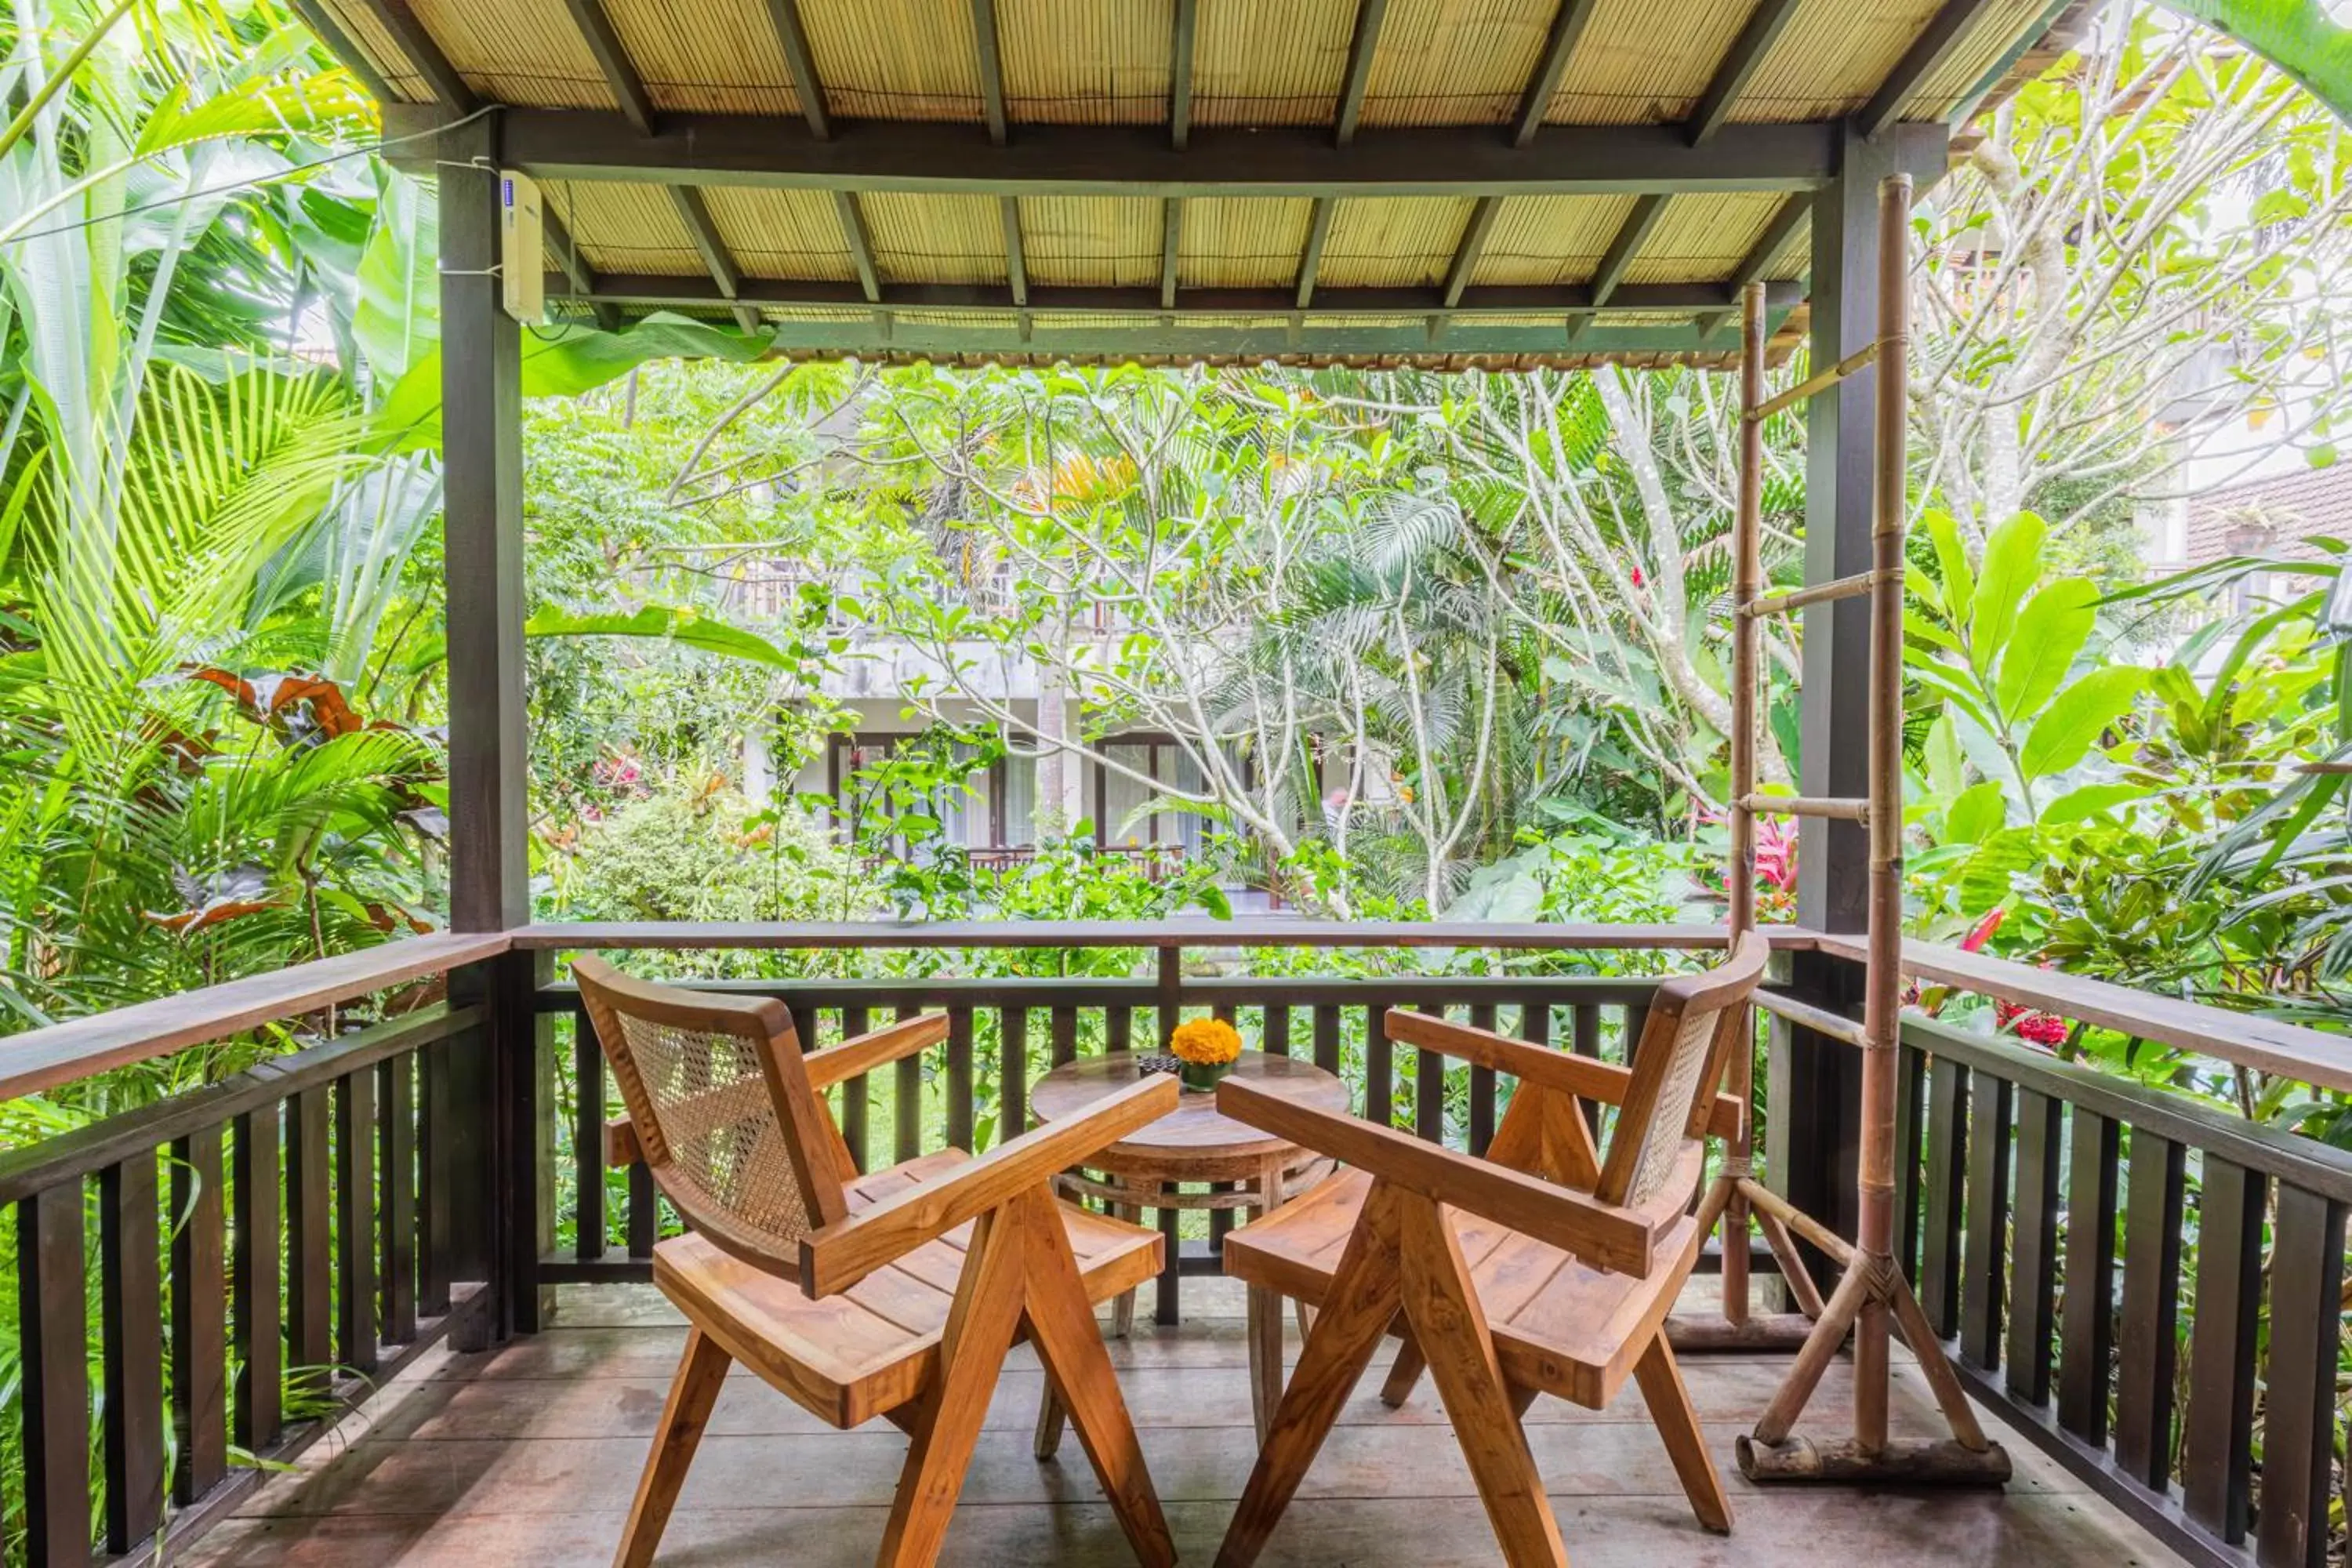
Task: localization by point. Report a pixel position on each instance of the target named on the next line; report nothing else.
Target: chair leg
(1122, 1310)
(1451, 1329)
(701, 1372)
(1355, 1316)
(1404, 1372)
(1051, 1417)
(1677, 1423)
(1265, 1356)
(971, 1354)
(1069, 1342)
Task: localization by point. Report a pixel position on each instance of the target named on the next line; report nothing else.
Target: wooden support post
(495, 1083)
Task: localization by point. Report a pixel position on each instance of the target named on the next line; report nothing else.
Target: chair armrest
(1600, 1234)
(876, 1047)
(840, 1255)
(1578, 1076)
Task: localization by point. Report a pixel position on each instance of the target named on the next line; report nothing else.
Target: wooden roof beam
(1795, 217)
(1634, 233)
(992, 69)
(395, 18)
(1180, 73)
(891, 330)
(577, 277)
(785, 16)
(1172, 245)
(1310, 259)
(620, 71)
(1369, 14)
(1016, 255)
(1465, 253)
(860, 240)
(1567, 27)
(345, 48)
(725, 276)
(1136, 161)
(1765, 26)
(1927, 56)
(983, 298)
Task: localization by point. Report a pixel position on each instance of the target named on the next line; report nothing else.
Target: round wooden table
(1244, 1168)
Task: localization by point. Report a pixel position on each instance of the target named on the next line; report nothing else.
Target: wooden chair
(1540, 1268)
(896, 1294)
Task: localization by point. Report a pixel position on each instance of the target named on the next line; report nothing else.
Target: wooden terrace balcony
(400, 1262)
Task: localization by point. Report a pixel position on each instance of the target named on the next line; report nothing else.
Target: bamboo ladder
(1873, 1288)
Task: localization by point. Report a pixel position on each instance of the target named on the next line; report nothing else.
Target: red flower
(1639, 581)
(2041, 1028)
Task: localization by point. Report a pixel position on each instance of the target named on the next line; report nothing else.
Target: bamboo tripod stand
(1872, 1297)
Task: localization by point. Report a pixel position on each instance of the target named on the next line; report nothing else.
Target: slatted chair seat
(848, 1358)
(1540, 1268)
(1559, 1324)
(895, 1294)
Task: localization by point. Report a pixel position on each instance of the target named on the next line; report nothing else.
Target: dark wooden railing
(2147, 1286)
(2051, 1212)
(283, 1305)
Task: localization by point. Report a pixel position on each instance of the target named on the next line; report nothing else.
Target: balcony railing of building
(232, 1263)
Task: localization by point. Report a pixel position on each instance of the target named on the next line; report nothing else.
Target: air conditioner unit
(522, 282)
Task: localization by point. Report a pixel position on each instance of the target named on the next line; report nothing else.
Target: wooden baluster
(959, 1083)
(396, 1158)
(1013, 1073)
(53, 1351)
(2033, 1265)
(1482, 1087)
(1064, 1028)
(434, 1163)
(2217, 1468)
(1379, 1069)
(131, 1307)
(1327, 1038)
(2299, 1386)
(1910, 1087)
(906, 1099)
(2086, 1345)
(645, 1211)
(2147, 1345)
(855, 1095)
(309, 1266)
(199, 1318)
(1429, 1089)
(1119, 1028)
(254, 1155)
(589, 1223)
(1939, 1264)
(355, 1329)
(1275, 1032)
(1983, 1269)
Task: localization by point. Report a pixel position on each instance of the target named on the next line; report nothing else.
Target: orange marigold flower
(1205, 1042)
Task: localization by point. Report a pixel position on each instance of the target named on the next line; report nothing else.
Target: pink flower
(1981, 932)
(2026, 1024)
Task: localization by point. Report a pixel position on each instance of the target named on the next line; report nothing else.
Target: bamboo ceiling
(1439, 182)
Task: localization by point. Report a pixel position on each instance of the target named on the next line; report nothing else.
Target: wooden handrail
(2266, 1045)
(1186, 932)
(65, 1053)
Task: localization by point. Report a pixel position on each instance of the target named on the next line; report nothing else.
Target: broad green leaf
(664, 621)
(1944, 758)
(2076, 717)
(1986, 881)
(397, 316)
(2012, 561)
(1951, 562)
(2091, 800)
(2054, 626)
(1977, 813)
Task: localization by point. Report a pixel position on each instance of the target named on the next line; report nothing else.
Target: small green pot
(1202, 1078)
